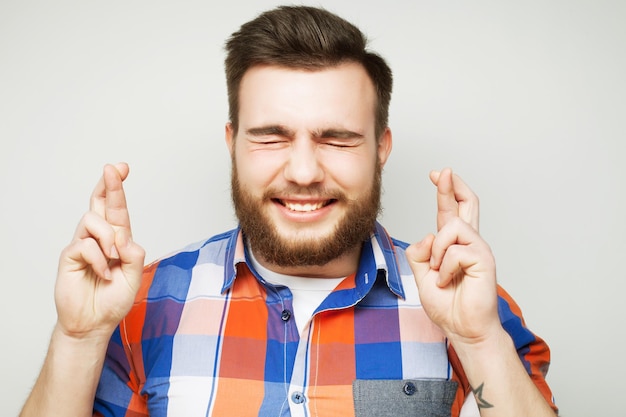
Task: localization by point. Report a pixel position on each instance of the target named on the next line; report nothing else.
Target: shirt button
(285, 315)
(409, 388)
(297, 397)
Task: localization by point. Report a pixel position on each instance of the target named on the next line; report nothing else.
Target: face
(306, 163)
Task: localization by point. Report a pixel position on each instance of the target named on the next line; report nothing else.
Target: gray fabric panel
(403, 398)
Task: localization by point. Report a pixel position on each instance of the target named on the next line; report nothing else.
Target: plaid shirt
(208, 336)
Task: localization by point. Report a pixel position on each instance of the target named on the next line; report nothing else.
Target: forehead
(342, 94)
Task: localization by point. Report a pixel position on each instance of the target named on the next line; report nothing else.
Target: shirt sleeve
(118, 393)
(532, 350)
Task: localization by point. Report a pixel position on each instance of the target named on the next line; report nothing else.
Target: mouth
(304, 207)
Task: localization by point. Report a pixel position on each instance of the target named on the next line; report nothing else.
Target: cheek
(256, 170)
(354, 173)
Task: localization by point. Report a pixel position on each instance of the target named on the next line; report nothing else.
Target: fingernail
(107, 273)
(114, 254)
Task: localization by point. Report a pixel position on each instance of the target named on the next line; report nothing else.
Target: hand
(455, 270)
(100, 271)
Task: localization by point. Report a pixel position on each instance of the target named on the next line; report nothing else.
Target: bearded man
(308, 307)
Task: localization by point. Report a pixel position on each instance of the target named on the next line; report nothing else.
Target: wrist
(96, 340)
(69, 377)
(478, 354)
(73, 358)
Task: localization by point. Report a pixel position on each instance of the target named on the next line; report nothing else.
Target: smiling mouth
(304, 207)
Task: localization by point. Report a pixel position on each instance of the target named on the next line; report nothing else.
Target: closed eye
(268, 135)
(339, 144)
(340, 138)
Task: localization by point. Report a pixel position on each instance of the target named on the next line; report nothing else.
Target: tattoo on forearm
(478, 393)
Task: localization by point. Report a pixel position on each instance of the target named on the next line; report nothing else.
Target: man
(309, 308)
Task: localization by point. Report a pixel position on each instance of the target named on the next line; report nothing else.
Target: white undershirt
(308, 292)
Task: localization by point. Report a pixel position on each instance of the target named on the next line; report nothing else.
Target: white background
(525, 100)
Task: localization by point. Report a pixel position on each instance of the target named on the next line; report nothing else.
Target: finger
(468, 202)
(86, 253)
(418, 255)
(131, 257)
(456, 231)
(115, 210)
(454, 198)
(457, 260)
(447, 206)
(95, 227)
(98, 196)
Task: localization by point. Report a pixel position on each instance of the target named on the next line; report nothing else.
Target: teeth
(303, 207)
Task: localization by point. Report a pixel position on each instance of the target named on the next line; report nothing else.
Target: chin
(304, 233)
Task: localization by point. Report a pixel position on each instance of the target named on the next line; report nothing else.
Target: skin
(100, 270)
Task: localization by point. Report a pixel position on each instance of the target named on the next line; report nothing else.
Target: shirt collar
(378, 257)
(385, 256)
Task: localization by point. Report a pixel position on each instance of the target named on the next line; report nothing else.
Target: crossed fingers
(106, 226)
(454, 199)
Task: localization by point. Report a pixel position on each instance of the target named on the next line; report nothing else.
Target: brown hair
(303, 37)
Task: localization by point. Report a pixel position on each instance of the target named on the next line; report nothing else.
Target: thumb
(418, 255)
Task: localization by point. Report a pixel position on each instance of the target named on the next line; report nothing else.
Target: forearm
(69, 377)
(500, 383)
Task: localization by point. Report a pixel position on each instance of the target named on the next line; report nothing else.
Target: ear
(229, 136)
(384, 146)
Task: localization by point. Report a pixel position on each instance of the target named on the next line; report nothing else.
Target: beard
(355, 227)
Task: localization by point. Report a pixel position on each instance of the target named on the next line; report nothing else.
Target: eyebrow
(337, 133)
(280, 130)
(270, 130)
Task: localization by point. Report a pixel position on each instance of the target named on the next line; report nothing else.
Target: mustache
(314, 191)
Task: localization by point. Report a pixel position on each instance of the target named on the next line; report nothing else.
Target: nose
(303, 166)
